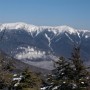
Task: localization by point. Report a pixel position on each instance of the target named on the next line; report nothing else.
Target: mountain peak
(17, 25)
(30, 27)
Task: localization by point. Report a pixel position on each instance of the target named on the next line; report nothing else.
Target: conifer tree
(70, 74)
(82, 75)
(5, 74)
(29, 80)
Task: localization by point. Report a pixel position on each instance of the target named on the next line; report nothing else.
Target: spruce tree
(82, 75)
(70, 74)
(29, 80)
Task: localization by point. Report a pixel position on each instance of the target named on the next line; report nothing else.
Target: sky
(74, 13)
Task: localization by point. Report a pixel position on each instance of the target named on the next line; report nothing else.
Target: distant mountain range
(40, 45)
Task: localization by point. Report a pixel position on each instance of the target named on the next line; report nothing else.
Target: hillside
(40, 45)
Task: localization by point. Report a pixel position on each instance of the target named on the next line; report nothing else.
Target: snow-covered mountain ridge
(30, 27)
(39, 45)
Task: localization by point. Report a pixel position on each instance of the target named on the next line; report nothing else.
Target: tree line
(68, 74)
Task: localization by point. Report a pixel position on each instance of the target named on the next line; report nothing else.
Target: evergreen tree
(5, 75)
(70, 74)
(29, 80)
(82, 75)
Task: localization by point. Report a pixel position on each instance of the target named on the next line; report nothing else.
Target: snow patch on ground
(29, 53)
